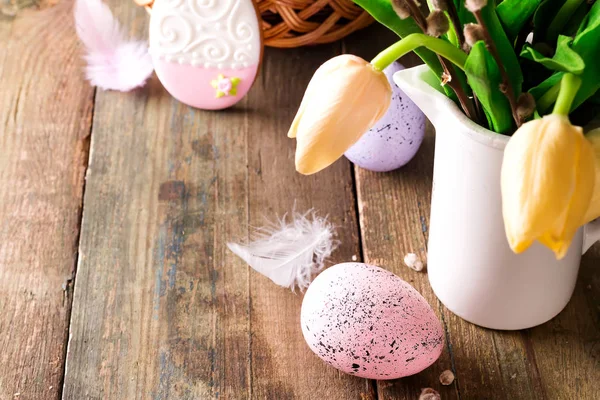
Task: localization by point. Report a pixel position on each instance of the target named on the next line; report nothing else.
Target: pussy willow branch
(507, 88)
(453, 14)
(453, 82)
(417, 14)
(455, 85)
(460, 35)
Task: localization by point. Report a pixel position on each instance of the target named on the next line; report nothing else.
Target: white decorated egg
(366, 321)
(395, 139)
(206, 53)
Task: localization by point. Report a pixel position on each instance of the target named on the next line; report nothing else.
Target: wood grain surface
(160, 308)
(45, 118)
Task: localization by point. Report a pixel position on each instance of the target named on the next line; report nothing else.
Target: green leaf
(546, 85)
(543, 18)
(484, 77)
(590, 22)
(561, 19)
(595, 98)
(504, 46)
(451, 35)
(575, 20)
(565, 58)
(587, 45)
(515, 13)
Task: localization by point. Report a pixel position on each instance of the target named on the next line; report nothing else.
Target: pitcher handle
(591, 234)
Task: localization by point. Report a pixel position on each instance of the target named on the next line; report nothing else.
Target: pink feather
(113, 63)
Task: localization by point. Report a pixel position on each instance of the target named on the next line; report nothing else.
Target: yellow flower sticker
(225, 86)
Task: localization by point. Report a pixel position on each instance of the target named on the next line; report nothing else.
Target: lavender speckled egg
(395, 138)
(366, 321)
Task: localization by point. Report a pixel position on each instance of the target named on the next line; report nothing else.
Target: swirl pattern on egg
(196, 44)
(210, 33)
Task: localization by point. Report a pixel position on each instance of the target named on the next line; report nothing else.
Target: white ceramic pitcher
(472, 270)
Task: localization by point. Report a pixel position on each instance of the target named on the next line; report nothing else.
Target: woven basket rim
(297, 24)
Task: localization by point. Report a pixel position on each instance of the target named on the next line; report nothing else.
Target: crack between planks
(69, 285)
(215, 298)
(450, 351)
(496, 356)
(372, 383)
(354, 174)
(17, 103)
(534, 370)
(249, 370)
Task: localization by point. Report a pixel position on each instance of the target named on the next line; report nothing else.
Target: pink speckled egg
(366, 321)
(395, 138)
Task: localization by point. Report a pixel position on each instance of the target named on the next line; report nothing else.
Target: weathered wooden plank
(283, 367)
(160, 306)
(566, 350)
(45, 119)
(394, 218)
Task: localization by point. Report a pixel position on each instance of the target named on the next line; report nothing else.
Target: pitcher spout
(423, 88)
(425, 91)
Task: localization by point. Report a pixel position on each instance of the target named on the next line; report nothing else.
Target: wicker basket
(294, 23)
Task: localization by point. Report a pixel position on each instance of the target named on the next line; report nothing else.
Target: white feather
(289, 253)
(113, 62)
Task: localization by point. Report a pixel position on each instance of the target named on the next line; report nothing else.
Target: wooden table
(115, 282)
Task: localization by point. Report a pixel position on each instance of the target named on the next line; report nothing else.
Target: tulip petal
(547, 179)
(533, 179)
(345, 98)
(310, 93)
(593, 211)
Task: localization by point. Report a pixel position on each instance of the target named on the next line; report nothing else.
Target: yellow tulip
(547, 180)
(345, 98)
(594, 208)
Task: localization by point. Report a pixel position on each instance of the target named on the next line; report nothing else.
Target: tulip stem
(414, 41)
(569, 85)
(545, 102)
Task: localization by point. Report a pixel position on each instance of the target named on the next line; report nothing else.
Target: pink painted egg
(366, 321)
(206, 53)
